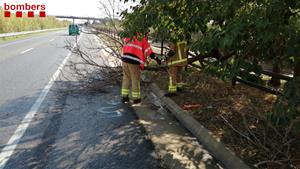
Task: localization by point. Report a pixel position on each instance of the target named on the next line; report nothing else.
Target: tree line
(13, 24)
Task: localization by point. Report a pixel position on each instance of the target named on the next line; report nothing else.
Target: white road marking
(119, 113)
(10, 146)
(20, 41)
(27, 50)
(51, 40)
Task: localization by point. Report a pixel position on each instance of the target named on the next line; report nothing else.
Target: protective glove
(171, 53)
(158, 61)
(152, 55)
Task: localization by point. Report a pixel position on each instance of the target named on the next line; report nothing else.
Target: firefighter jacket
(136, 51)
(179, 57)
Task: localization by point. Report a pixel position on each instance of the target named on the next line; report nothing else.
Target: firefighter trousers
(175, 78)
(131, 80)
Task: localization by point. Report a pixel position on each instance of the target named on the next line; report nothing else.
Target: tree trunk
(162, 47)
(297, 69)
(275, 81)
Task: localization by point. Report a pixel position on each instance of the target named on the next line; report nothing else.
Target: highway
(44, 127)
(26, 66)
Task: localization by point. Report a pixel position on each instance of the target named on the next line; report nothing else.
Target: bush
(14, 24)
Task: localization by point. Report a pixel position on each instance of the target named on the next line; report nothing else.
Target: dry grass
(237, 116)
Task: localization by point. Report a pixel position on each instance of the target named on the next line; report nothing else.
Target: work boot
(125, 99)
(179, 89)
(137, 101)
(170, 94)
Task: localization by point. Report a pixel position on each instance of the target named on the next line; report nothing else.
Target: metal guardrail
(26, 32)
(78, 17)
(251, 84)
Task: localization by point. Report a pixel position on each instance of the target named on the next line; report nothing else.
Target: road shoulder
(175, 145)
(217, 149)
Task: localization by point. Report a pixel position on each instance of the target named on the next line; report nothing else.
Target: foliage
(13, 24)
(257, 30)
(287, 108)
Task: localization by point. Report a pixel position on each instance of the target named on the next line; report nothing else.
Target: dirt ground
(236, 115)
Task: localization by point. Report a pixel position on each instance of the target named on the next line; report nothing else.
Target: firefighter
(135, 53)
(176, 61)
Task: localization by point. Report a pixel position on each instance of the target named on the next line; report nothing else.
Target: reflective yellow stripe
(172, 89)
(139, 86)
(179, 43)
(170, 81)
(182, 42)
(178, 61)
(125, 92)
(136, 94)
(179, 52)
(181, 84)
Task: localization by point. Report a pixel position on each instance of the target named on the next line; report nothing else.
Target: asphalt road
(77, 129)
(26, 66)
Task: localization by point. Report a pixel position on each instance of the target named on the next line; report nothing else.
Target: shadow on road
(83, 128)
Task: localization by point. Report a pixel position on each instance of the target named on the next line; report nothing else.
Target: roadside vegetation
(229, 39)
(13, 24)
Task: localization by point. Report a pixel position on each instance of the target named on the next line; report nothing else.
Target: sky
(87, 8)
